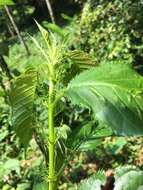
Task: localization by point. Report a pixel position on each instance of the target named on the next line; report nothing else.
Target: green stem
(51, 138)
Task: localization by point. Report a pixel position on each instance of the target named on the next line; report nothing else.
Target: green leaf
(114, 147)
(54, 28)
(40, 184)
(95, 137)
(132, 180)
(128, 179)
(77, 61)
(81, 59)
(43, 31)
(102, 131)
(79, 135)
(62, 131)
(89, 145)
(120, 171)
(9, 166)
(4, 49)
(87, 136)
(91, 183)
(23, 186)
(60, 154)
(114, 93)
(6, 2)
(22, 98)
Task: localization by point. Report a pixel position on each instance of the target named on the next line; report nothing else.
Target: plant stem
(51, 139)
(50, 10)
(5, 68)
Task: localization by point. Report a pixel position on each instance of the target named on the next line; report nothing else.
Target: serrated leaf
(114, 93)
(43, 31)
(22, 98)
(100, 174)
(90, 184)
(81, 59)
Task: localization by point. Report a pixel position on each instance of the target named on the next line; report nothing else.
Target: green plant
(6, 2)
(111, 93)
(111, 31)
(123, 176)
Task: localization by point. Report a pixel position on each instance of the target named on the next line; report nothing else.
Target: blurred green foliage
(108, 30)
(112, 30)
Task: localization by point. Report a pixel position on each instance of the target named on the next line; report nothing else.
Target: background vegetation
(108, 31)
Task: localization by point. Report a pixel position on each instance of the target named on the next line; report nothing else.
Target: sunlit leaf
(81, 59)
(22, 98)
(9, 166)
(91, 183)
(6, 2)
(114, 93)
(132, 180)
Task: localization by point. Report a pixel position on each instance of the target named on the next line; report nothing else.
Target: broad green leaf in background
(22, 98)
(89, 145)
(40, 178)
(79, 135)
(87, 136)
(54, 28)
(9, 166)
(120, 171)
(91, 184)
(132, 180)
(114, 147)
(94, 182)
(41, 185)
(126, 178)
(6, 2)
(23, 186)
(114, 93)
